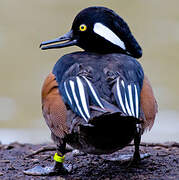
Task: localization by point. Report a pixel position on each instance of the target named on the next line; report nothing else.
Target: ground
(163, 163)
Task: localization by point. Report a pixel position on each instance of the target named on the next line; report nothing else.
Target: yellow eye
(83, 27)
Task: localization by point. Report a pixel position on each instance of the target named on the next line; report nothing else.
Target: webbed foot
(136, 159)
(57, 169)
(128, 158)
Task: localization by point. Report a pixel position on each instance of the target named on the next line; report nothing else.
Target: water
(23, 67)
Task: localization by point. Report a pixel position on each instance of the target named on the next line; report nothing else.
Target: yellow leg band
(59, 158)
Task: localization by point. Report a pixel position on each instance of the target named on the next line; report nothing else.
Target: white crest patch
(109, 35)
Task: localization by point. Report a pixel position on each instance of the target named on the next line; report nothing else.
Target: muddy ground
(163, 163)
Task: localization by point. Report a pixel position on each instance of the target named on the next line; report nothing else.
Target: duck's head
(100, 30)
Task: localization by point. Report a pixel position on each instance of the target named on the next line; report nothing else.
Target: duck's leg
(137, 139)
(137, 157)
(56, 169)
(59, 158)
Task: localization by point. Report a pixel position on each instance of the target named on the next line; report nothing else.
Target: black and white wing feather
(77, 92)
(127, 96)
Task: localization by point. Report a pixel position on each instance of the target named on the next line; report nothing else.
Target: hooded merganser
(98, 100)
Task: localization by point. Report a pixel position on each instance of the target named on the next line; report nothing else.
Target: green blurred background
(23, 66)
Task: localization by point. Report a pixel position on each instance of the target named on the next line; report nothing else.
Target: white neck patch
(109, 35)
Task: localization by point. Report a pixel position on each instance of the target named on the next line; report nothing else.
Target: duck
(97, 100)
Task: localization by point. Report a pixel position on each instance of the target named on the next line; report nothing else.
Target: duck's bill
(67, 37)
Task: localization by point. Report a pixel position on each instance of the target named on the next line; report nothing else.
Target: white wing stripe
(82, 96)
(93, 92)
(137, 101)
(66, 91)
(109, 35)
(119, 96)
(123, 83)
(72, 85)
(127, 105)
(131, 99)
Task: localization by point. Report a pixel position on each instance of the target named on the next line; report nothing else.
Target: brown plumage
(53, 108)
(148, 104)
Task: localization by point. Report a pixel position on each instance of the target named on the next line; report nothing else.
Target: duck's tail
(109, 129)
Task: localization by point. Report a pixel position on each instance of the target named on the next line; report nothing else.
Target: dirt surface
(162, 164)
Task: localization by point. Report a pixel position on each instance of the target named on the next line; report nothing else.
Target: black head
(100, 30)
